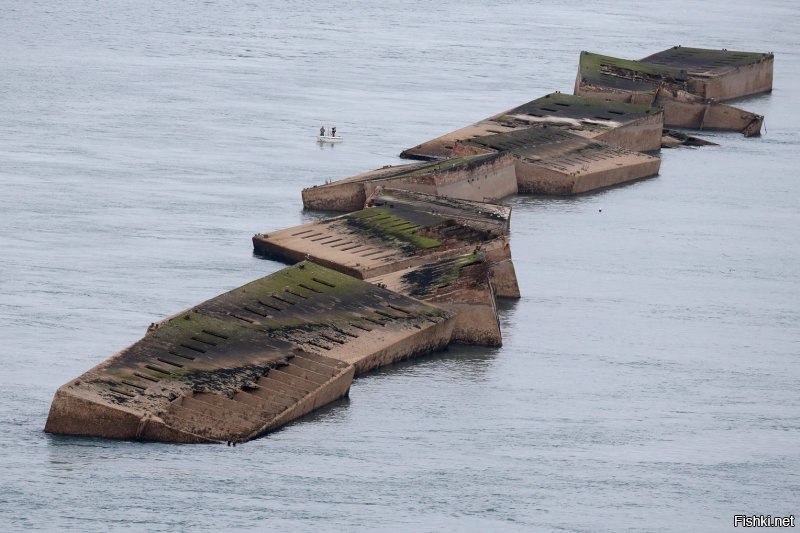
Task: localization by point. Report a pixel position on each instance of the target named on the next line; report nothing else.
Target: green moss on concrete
(301, 273)
(690, 58)
(381, 222)
(573, 106)
(632, 75)
(425, 280)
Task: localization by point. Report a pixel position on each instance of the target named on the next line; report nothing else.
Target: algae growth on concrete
(632, 126)
(462, 285)
(433, 250)
(250, 360)
(719, 74)
(673, 80)
(403, 229)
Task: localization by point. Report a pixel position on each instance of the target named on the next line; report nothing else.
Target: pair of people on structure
(322, 131)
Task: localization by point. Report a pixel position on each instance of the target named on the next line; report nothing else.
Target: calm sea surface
(650, 377)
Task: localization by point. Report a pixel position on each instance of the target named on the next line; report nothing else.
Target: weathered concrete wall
(684, 82)
(553, 161)
(742, 81)
(538, 179)
(592, 181)
(431, 339)
(422, 184)
(716, 74)
(338, 387)
(489, 182)
(643, 135)
(72, 414)
(534, 179)
(504, 279)
(502, 274)
(475, 324)
(403, 231)
(477, 179)
(684, 112)
(339, 196)
(462, 286)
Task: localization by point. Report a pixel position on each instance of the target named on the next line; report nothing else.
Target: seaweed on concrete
(382, 223)
(427, 279)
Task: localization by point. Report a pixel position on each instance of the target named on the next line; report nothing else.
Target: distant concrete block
(633, 126)
(403, 229)
(482, 178)
(554, 161)
(679, 92)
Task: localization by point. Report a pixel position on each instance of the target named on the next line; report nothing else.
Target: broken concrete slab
(478, 177)
(660, 86)
(633, 126)
(718, 74)
(250, 360)
(554, 161)
(461, 285)
(673, 138)
(403, 229)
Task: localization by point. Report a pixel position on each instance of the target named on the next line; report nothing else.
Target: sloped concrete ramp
(250, 360)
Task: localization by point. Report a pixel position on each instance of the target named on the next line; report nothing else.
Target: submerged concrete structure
(401, 230)
(632, 126)
(719, 74)
(556, 162)
(250, 360)
(482, 178)
(685, 83)
(416, 263)
(552, 145)
(460, 285)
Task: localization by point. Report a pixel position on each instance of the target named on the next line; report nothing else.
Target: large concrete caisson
(402, 230)
(719, 74)
(250, 360)
(553, 161)
(481, 178)
(632, 126)
(460, 285)
(663, 81)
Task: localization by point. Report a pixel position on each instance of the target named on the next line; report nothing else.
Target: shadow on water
(506, 311)
(471, 361)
